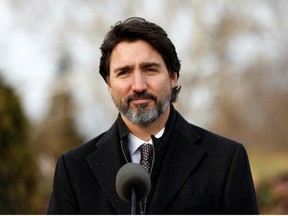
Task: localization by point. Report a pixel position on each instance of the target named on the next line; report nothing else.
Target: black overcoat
(201, 173)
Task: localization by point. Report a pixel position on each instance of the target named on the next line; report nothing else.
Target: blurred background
(234, 82)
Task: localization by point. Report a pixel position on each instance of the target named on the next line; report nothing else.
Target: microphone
(133, 183)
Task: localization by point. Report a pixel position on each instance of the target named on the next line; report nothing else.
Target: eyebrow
(142, 65)
(126, 67)
(150, 64)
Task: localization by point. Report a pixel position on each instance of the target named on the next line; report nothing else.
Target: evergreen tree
(18, 169)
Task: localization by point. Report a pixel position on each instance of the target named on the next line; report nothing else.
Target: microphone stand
(133, 202)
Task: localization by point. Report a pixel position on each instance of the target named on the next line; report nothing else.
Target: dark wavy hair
(136, 28)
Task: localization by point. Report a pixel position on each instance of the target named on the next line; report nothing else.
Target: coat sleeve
(239, 194)
(63, 199)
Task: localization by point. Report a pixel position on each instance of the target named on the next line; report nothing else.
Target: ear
(109, 89)
(109, 86)
(173, 79)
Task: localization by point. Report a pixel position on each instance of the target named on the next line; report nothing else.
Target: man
(193, 170)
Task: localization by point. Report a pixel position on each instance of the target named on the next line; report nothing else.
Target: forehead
(134, 51)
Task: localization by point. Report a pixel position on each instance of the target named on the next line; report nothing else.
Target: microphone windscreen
(133, 175)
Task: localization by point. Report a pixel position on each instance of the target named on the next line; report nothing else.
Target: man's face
(139, 82)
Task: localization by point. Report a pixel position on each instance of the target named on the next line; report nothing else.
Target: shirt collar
(135, 142)
(163, 140)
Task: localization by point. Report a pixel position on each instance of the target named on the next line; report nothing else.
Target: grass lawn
(267, 164)
(270, 174)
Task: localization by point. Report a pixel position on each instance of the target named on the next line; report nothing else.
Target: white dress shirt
(134, 143)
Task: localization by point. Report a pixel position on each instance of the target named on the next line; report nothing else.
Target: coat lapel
(181, 159)
(105, 163)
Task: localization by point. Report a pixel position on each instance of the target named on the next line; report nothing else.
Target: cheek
(165, 86)
(118, 91)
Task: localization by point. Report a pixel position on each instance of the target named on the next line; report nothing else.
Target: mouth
(141, 101)
(143, 98)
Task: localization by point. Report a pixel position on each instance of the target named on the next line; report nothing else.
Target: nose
(139, 82)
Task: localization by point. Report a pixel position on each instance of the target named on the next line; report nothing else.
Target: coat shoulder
(218, 145)
(84, 149)
(205, 137)
(209, 135)
(77, 156)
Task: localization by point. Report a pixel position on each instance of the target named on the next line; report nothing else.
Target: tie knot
(146, 151)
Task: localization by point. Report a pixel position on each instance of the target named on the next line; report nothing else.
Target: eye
(123, 73)
(152, 69)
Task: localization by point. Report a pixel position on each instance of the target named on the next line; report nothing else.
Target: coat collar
(105, 163)
(182, 155)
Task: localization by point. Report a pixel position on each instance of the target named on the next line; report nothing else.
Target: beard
(143, 114)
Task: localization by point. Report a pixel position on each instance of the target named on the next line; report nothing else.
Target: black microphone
(133, 183)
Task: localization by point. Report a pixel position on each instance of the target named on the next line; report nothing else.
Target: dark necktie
(146, 150)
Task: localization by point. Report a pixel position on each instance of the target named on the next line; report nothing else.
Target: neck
(144, 132)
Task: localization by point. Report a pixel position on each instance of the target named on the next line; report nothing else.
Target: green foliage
(18, 170)
(272, 195)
